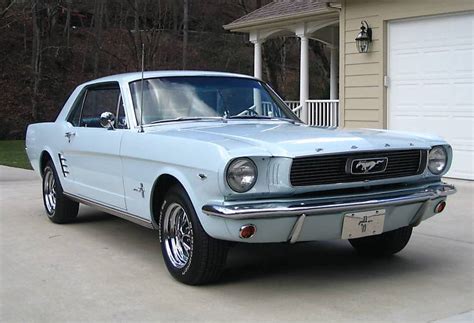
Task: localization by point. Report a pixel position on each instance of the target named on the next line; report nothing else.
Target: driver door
(93, 152)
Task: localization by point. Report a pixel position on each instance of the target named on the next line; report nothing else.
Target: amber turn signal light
(440, 207)
(247, 231)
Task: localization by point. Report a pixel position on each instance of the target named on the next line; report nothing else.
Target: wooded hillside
(48, 47)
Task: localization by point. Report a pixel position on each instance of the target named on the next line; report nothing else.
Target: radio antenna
(141, 92)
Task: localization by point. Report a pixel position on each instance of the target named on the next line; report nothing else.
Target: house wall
(361, 89)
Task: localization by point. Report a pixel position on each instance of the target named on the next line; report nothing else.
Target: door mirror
(107, 120)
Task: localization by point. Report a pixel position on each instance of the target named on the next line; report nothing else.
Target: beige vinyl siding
(361, 88)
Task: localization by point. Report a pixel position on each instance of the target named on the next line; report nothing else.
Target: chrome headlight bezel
(239, 168)
(437, 160)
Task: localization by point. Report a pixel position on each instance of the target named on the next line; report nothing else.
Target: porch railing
(320, 113)
(292, 104)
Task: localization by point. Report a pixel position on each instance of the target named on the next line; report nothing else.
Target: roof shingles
(280, 8)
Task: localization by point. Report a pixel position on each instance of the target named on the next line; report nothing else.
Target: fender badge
(141, 190)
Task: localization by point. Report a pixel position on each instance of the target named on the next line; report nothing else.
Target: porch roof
(279, 11)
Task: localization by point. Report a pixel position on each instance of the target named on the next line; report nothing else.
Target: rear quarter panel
(47, 137)
(38, 140)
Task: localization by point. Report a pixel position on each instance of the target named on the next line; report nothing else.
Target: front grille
(331, 169)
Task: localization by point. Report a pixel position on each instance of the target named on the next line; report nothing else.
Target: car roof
(129, 77)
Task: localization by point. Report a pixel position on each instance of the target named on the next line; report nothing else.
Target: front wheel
(191, 256)
(59, 208)
(385, 244)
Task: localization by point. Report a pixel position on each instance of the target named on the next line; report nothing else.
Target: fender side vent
(64, 168)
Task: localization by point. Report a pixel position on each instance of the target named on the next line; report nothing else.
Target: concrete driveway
(102, 268)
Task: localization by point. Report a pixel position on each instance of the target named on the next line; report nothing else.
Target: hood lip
(266, 147)
(415, 142)
(367, 151)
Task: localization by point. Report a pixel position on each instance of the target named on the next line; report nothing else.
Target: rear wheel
(385, 244)
(59, 208)
(191, 256)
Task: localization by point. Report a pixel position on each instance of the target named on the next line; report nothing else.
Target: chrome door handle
(69, 134)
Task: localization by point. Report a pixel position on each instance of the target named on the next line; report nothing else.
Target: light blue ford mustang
(209, 158)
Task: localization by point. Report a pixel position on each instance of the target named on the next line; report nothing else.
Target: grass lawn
(12, 153)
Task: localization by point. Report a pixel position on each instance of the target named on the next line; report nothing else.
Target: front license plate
(363, 224)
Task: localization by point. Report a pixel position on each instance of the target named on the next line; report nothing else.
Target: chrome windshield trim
(318, 206)
(179, 119)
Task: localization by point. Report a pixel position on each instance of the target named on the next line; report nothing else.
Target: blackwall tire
(191, 256)
(59, 208)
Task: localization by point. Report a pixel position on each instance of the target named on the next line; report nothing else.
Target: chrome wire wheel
(49, 191)
(178, 235)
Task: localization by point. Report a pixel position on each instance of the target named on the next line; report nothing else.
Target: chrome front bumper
(334, 204)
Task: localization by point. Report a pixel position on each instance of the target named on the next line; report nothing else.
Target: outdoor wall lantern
(364, 38)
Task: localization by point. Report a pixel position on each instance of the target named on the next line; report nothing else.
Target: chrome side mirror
(107, 120)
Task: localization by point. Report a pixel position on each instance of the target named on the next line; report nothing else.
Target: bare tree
(185, 31)
(273, 56)
(36, 53)
(174, 5)
(8, 5)
(322, 67)
(98, 21)
(67, 25)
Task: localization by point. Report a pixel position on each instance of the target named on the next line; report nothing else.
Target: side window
(75, 115)
(99, 100)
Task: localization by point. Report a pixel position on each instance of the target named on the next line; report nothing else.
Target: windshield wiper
(185, 119)
(248, 117)
(260, 117)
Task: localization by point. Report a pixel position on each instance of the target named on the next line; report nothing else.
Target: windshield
(195, 97)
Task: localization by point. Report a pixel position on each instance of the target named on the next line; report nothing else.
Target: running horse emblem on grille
(366, 166)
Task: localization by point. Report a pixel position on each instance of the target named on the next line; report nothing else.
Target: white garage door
(431, 82)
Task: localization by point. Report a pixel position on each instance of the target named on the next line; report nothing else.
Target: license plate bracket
(363, 224)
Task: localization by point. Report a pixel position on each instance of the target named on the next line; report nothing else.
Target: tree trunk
(174, 6)
(272, 57)
(138, 41)
(36, 49)
(185, 31)
(67, 26)
(98, 17)
(25, 47)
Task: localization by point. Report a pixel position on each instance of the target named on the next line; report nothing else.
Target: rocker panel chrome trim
(110, 210)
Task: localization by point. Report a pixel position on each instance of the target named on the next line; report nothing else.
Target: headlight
(241, 175)
(437, 160)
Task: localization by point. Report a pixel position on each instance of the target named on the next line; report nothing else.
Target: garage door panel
(405, 94)
(403, 60)
(463, 61)
(462, 166)
(439, 94)
(432, 83)
(436, 61)
(463, 95)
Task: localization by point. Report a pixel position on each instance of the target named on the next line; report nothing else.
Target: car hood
(290, 140)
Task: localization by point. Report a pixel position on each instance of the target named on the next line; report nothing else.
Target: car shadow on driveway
(91, 218)
(328, 262)
(325, 261)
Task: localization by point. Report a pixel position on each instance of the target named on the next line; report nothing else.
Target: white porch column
(304, 76)
(257, 59)
(334, 67)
